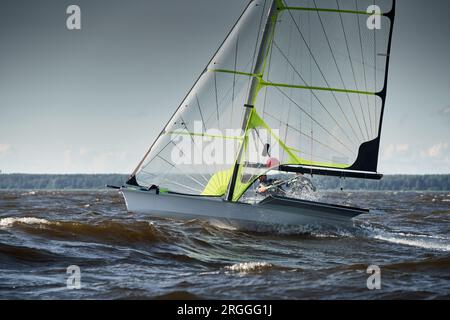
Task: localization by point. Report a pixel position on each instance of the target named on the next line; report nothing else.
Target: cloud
(435, 151)
(4, 148)
(444, 113)
(92, 161)
(84, 151)
(402, 148)
(68, 158)
(392, 150)
(416, 159)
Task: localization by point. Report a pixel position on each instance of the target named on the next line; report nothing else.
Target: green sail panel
(323, 88)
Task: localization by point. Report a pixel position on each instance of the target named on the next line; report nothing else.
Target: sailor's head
(263, 178)
(272, 163)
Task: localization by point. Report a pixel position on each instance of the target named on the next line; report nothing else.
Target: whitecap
(246, 267)
(420, 243)
(31, 193)
(9, 222)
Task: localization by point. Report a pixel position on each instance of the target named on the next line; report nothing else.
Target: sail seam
(332, 10)
(273, 84)
(339, 72)
(205, 135)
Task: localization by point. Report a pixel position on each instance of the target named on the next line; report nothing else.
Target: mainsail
(298, 85)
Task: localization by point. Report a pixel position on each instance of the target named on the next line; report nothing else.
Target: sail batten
(286, 85)
(331, 10)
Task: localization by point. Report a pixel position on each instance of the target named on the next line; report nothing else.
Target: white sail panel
(198, 147)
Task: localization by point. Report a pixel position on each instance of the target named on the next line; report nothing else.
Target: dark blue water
(123, 255)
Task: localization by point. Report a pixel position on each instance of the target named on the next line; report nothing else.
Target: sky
(93, 100)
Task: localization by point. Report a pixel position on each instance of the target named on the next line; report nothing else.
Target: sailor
(269, 186)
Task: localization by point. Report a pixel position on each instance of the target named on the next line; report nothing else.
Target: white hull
(272, 211)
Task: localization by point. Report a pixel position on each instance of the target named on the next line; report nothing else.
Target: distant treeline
(60, 181)
(98, 181)
(388, 183)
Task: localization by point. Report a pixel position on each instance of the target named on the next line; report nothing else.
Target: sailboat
(297, 86)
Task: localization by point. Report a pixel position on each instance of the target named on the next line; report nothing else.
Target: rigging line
(268, 74)
(375, 72)
(195, 145)
(288, 116)
(259, 137)
(157, 175)
(310, 81)
(198, 149)
(273, 84)
(184, 186)
(169, 163)
(293, 77)
(289, 109)
(234, 80)
(162, 149)
(327, 10)
(315, 121)
(240, 73)
(364, 66)
(311, 161)
(353, 69)
(174, 136)
(339, 71)
(201, 113)
(286, 74)
(262, 142)
(308, 136)
(231, 86)
(257, 40)
(301, 54)
(315, 61)
(213, 136)
(153, 175)
(313, 93)
(158, 155)
(163, 177)
(217, 101)
(179, 168)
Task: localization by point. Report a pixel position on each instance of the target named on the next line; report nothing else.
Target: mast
(266, 42)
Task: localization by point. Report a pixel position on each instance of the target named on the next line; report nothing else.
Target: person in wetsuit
(269, 186)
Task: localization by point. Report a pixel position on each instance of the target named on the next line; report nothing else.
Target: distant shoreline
(17, 181)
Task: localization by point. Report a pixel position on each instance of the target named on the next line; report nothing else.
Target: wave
(256, 267)
(10, 222)
(222, 228)
(424, 241)
(441, 263)
(248, 267)
(305, 231)
(177, 295)
(14, 254)
(29, 193)
(420, 243)
(103, 231)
